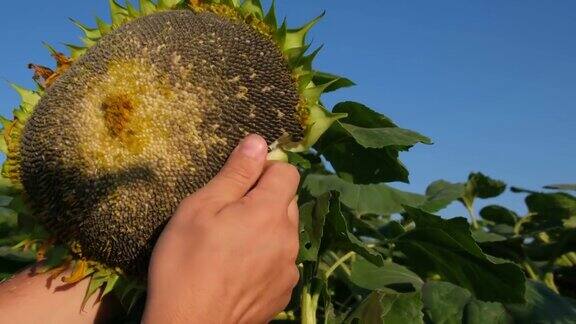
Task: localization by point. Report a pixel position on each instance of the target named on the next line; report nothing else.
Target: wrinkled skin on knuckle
(239, 174)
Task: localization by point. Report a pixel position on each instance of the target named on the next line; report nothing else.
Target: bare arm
(37, 298)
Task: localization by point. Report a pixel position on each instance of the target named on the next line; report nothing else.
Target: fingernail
(253, 146)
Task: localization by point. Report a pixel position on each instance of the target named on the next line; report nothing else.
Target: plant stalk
(338, 263)
(473, 217)
(309, 304)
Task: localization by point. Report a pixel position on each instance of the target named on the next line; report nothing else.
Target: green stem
(308, 304)
(472, 214)
(338, 263)
(519, 223)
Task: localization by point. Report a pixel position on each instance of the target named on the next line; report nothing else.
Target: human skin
(31, 297)
(227, 255)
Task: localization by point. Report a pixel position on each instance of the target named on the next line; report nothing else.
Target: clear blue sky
(493, 83)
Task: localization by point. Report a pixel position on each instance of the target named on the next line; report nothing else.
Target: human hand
(228, 253)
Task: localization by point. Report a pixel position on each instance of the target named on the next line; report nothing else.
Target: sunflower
(144, 113)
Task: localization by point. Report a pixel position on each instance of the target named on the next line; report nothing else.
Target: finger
(293, 212)
(279, 182)
(239, 174)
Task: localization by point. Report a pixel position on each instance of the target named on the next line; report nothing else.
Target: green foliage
(500, 268)
(370, 253)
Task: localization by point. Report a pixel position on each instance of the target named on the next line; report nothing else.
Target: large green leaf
(444, 302)
(440, 194)
(8, 219)
(448, 303)
(480, 312)
(369, 276)
(446, 248)
(549, 211)
(390, 308)
(12, 261)
(364, 145)
(543, 306)
(340, 232)
(377, 199)
(553, 205)
(499, 215)
(312, 217)
(362, 116)
(383, 137)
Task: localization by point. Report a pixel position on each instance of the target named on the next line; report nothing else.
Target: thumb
(239, 174)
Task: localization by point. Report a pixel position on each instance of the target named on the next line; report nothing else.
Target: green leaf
(13, 260)
(499, 215)
(446, 248)
(383, 137)
(444, 302)
(361, 146)
(571, 187)
(543, 306)
(402, 308)
(386, 307)
(392, 230)
(549, 211)
(377, 199)
(5, 200)
(342, 235)
(362, 165)
(440, 194)
(312, 218)
(369, 276)
(362, 116)
(298, 160)
(8, 218)
(55, 256)
(8, 253)
(552, 205)
(336, 82)
(479, 312)
(482, 236)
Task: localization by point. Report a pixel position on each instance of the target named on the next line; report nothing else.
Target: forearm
(36, 298)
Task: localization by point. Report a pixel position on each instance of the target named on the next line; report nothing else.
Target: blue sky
(493, 83)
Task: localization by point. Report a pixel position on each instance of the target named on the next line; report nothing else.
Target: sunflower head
(147, 111)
